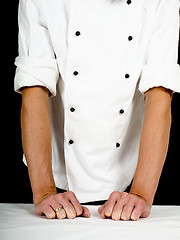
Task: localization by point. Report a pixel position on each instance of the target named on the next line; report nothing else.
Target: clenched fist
(62, 205)
(124, 206)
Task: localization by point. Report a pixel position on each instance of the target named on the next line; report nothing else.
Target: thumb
(86, 213)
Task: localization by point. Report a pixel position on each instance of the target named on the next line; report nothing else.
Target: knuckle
(132, 196)
(124, 195)
(115, 194)
(70, 194)
(60, 196)
(132, 199)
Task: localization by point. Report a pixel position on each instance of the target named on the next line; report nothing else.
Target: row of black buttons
(77, 33)
(72, 142)
(76, 73)
(73, 110)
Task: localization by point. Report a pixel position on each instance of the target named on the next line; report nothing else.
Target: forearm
(36, 140)
(153, 147)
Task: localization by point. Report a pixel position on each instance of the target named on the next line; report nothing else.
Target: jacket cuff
(36, 72)
(160, 75)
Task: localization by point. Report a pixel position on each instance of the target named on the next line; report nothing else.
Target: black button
(129, 2)
(72, 109)
(75, 73)
(121, 111)
(127, 76)
(117, 144)
(130, 38)
(77, 33)
(71, 141)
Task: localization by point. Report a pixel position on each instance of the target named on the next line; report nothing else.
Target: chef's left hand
(124, 206)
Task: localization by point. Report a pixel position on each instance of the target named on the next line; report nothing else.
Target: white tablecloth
(18, 222)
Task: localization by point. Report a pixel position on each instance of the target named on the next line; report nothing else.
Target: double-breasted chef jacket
(97, 58)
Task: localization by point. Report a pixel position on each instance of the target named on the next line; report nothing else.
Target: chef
(97, 79)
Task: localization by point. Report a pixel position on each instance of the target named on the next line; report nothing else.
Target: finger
(101, 211)
(127, 210)
(74, 201)
(68, 207)
(54, 204)
(118, 208)
(138, 211)
(109, 205)
(48, 212)
(44, 209)
(61, 214)
(86, 212)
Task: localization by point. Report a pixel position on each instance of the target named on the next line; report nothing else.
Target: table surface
(18, 221)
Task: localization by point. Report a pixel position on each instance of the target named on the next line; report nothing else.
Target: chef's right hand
(61, 205)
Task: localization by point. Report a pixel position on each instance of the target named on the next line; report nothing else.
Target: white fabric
(122, 51)
(18, 222)
(30, 71)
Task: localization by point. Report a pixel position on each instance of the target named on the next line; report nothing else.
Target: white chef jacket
(97, 58)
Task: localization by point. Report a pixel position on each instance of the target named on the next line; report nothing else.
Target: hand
(124, 206)
(70, 205)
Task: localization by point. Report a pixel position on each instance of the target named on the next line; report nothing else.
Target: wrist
(148, 199)
(41, 195)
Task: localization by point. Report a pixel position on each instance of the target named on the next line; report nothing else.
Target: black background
(14, 181)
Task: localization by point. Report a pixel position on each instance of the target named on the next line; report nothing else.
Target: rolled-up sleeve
(160, 65)
(36, 63)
